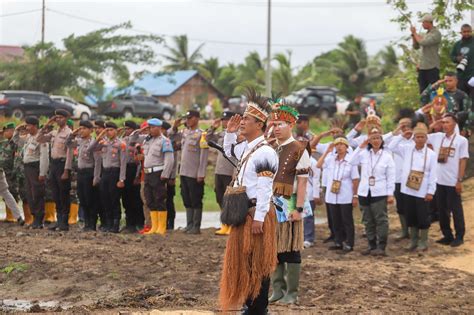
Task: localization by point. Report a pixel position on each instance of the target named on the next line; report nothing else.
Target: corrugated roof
(9, 52)
(164, 84)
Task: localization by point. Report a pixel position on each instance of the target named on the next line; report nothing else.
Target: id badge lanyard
(372, 168)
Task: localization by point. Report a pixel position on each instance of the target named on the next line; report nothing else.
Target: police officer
(224, 169)
(158, 164)
(171, 185)
(113, 152)
(99, 126)
(81, 139)
(61, 164)
(131, 193)
(194, 152)
(36, 164)
(8, 189)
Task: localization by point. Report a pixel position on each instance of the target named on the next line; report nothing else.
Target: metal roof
(164, 84)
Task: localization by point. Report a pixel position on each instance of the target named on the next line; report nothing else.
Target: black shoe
(456, 243)
(347, 249)
(103, 228)
(445, 241)
(194, 231)
(367, 251)
(329, 239)
(335, 247)
(20, 221)
(53, 227)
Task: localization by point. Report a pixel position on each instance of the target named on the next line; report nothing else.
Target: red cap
(144, 125)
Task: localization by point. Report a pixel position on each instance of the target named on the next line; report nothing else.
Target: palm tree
(179, 57)
(210, 69)
(284, 81)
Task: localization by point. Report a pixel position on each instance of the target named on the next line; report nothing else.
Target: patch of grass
(20, 267)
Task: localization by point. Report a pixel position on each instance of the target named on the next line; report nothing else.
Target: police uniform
(7, 178)
(85, 176)
(224, 169)
(194, 153)
(36, 164)
(113, 152)
(98, 124)
(171, 185)
(131, 193)
(157, 165)
(61, 161)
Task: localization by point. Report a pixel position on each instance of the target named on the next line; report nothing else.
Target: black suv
(136, 105)
(19, 104)
(315, 100)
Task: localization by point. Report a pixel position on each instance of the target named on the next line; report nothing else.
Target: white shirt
(257, 187)
(448, 172)
(313, 185)
(344, 172)
(380, 165)
(397, 158)
(404, 152)
(355, 141)
(321, 148)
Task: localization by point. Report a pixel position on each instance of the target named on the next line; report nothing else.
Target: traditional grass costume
(249, 258)
(294, 162)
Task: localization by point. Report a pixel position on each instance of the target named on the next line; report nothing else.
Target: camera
(462, 64)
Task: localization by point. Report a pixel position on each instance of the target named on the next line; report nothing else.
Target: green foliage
(217, 107)
(401, 91)
(19, 267)
(179, 57)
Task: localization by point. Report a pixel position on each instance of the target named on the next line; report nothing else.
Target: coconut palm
(179, 57)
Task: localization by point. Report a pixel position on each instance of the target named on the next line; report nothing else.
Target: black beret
(130, 124)
(110, 124)
(227, 115)
(86, 123)
(193, 113)
(166, 125)
(32, 120)
(99, 123)
(303, 117)
(61, 112)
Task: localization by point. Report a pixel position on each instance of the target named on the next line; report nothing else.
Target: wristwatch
(299, 209)
(460, 180)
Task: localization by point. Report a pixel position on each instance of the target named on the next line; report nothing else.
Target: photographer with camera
(462, 55)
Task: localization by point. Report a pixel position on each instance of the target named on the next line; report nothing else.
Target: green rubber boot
(278, 283)
(423, 242)
(292, 282)
(404, 228)
(413, 239)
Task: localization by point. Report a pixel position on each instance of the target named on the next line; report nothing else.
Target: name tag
(371, 181)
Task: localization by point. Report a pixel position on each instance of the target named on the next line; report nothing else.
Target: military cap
(61, 112)
(193, 113)
(32, 120)
(303, 117)
(86, 123)
(154, 122)
(10, 125)
(166, 125)
(99, 123)
(130, 124)
(227, 115)
(110, 124)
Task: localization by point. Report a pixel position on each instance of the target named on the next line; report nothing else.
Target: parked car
(315, 100)
(81, 111)
(237, 104)
(19, 104)
(136, 105)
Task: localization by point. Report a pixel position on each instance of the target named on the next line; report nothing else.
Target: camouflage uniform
(7, 161)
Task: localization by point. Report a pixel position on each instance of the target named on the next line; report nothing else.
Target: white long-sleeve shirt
(404, 152)
(344, 172)
(380, 165)
(355, 140)
(258, 186)
(321, 148)
(313, 186)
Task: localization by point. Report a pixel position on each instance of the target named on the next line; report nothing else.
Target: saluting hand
(364, 144)
(360, 125)
(216, 123)
(234, 123)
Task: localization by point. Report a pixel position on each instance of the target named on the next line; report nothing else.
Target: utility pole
(42, 22)
(268, 77)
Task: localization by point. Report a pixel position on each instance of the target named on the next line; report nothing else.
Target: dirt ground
(96, 272)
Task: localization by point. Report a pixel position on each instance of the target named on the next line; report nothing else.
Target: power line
(213, 41)
(287, 4)
(19, 13)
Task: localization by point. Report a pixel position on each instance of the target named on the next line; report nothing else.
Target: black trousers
(426, 77)
(259, 305)
(399, 198)
(98, 204)
(289, 257)
(131, 200)
(329, 216)
(61, 190)
(155, 192)
(450, 202)
(417, 212)
(192, 192)
(170, 193)
(35, 190)
(220, 183)
(85, 192)
(343, 223)
(110, 194)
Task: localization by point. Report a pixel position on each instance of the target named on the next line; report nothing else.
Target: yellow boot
(27, 212)
(229, 228)
(73, 211)
(10, 218)
(49, 212)
(162, 216)
(222, 230)
(154, 222)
